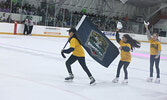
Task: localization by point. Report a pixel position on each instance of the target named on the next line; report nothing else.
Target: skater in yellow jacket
(77, 54)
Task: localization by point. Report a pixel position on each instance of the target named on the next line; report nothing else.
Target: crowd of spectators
(101, 21)
(64, 18)
(17, 8)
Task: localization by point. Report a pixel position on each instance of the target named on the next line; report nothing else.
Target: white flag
(146, 23)
(119, 25)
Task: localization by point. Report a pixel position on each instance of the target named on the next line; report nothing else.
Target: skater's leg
(151, 65)
(69, 62)
(119, 68)
(85, 68)
(115, 80)
(126, 64)
(83, 64)
(157, 67)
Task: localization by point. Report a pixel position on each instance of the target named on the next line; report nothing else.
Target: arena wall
(8, 28)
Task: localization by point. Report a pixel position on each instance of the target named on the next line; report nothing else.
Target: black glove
(62, 53)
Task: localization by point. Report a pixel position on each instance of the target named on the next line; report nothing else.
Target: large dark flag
(98, 46)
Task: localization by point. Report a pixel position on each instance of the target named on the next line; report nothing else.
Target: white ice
(31, 68)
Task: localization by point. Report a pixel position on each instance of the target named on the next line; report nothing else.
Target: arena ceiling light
(123, 1)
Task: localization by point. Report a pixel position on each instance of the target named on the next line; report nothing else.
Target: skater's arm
(148, 32)
(159, 53)
(117, 36)
(159, 50)
(68, 50)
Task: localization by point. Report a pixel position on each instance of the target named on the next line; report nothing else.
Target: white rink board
(37, 29)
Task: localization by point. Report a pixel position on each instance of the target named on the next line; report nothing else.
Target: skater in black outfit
(127, 44)
(78, 54)
(31, 23)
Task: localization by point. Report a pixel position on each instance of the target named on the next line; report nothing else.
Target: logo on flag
(97, 44)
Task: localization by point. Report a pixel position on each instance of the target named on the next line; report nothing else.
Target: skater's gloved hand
(62, 53)
(146, 25)
(66, 51)
(61, 50)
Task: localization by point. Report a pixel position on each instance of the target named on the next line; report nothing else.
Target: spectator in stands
(8, 9)
(25, 6)
(17, 10)
(1, 8)
(3, 18)
(33, 9)
(9, 19)
(29, 8)
(24, 11)
(20, 10)
(14, 9)
(2, 3)
(17, 5)
(4, 8)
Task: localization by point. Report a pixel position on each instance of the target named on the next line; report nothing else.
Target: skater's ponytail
(132, 42)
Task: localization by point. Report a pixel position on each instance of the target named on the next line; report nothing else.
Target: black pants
(81, 60)
(125, 64)
(26, 29)
(30, 29)
(152, 60)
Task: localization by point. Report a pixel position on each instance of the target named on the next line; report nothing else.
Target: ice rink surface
(31, 68)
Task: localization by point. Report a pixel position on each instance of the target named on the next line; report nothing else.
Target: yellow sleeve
(121, 42)
(159, 46)
(151, 40)
(72, 43)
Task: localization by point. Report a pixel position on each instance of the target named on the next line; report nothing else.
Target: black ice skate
(70, 77)
(92, 81)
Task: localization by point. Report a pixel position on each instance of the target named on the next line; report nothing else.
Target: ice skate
(115, 80)
(70, 77)
(157, 80)
(92, 81)
(150, 79)
(125, 81)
